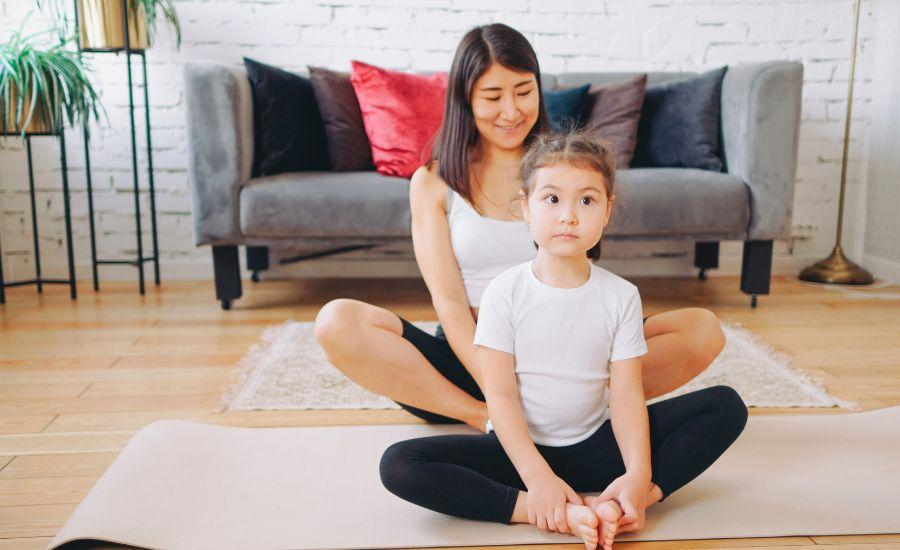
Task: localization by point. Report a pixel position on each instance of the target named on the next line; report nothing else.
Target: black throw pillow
(288, 134)
(566, 106)
(679, 124)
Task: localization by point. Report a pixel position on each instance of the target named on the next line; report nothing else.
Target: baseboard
(882, 268)
(170, 270)
(625, 267)
(676, 264)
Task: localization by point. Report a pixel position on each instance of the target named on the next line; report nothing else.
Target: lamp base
(837, 270)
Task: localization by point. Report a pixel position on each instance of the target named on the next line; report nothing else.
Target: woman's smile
(506, 129)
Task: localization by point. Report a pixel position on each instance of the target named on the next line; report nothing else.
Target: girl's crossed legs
(470, 476)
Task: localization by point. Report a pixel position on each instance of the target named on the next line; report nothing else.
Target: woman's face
(567, 209)
(505, 105)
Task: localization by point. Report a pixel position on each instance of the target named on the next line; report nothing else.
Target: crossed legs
(365, 342)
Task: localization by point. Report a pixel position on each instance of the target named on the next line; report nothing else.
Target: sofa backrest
(581, 78)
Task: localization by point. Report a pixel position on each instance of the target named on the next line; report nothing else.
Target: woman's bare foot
(609, 512)
(582, 522)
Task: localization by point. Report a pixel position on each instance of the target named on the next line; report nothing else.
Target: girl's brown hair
(478, 49)
(575, 148)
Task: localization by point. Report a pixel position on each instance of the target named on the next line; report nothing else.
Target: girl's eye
(523, 94)
(588, 199)
(554, 199)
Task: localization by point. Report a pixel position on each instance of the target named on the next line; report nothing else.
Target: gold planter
(40, 122)
(100, 23)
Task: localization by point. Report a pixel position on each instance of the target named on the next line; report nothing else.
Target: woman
(466, 229)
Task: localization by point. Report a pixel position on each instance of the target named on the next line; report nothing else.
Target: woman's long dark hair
(479, 48)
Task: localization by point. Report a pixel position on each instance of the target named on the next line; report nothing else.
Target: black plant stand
(139, 261)
(38, 280)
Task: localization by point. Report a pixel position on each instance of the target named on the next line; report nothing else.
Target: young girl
(559, 345)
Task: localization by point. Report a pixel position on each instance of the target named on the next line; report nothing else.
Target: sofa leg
(706, 256)
(756, 269)
(227, 269)
(257, 260)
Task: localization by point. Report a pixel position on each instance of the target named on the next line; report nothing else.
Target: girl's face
(567, 209)
(505, 105)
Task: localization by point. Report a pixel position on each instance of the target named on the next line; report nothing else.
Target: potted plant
(100, 21)
(41, 85)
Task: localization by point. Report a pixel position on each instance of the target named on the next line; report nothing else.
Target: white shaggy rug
(288, 370)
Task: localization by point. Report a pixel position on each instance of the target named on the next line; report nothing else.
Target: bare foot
(609, 512)
(583, 523)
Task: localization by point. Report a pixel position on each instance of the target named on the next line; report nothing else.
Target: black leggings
(470, 476)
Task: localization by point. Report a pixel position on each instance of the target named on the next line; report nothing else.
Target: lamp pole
(836, 268)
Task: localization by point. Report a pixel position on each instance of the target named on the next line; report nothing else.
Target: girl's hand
(631, 491)
(547, 498)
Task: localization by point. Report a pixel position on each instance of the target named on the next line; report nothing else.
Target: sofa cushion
(613, 114)
(679, 124)
(652, 202)
(287, 126)
(402, 113)
(325, 204)
(666, 202)
(348, 145)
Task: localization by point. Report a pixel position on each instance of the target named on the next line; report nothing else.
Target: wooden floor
(78, 379)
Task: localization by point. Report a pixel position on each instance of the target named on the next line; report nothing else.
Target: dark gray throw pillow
(348, 145)
(565, 107)
(679, 124)
(288, 135)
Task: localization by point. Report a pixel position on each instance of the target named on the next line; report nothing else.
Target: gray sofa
(338, 211)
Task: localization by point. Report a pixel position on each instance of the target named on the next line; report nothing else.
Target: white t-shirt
(563, 340)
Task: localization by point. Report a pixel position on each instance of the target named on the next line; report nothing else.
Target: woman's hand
(631, 491)
(547, 498)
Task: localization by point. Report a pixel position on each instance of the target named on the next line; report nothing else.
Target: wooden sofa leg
(257, 260)
(756, 269)
(227, 269)
(706, 256)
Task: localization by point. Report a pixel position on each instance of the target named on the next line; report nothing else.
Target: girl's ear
(609, 204)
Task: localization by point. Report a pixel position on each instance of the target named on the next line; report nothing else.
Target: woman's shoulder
(426, 184)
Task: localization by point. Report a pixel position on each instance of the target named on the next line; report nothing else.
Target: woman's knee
(339, 326)
(334, 322)
(707, 336)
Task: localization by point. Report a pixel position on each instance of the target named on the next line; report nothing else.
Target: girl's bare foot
(583, 523)
(609, 512)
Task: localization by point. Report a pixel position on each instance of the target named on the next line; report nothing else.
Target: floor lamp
(837, 269)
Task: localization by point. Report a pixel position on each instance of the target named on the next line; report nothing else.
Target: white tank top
(484, 247)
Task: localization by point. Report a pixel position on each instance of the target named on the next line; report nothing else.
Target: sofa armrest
(761, 129)
(220, 148)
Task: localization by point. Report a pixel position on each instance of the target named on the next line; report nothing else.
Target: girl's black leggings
(470, 476)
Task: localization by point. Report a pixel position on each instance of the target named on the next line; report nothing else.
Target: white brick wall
(569, 35)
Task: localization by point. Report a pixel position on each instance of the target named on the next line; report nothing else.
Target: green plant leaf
(52, 79)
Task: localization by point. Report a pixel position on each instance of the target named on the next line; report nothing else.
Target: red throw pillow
(401, 112)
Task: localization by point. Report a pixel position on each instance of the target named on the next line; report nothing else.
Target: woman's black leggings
(470, 476)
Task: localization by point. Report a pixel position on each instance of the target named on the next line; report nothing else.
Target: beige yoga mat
(182, 484)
